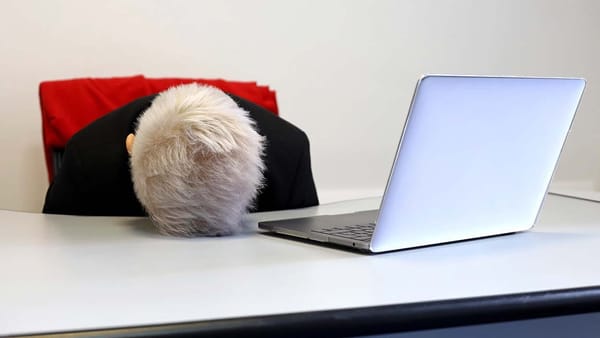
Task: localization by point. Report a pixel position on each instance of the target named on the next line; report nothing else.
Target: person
(193, 177)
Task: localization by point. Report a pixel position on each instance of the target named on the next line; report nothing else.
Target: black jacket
(95, 179)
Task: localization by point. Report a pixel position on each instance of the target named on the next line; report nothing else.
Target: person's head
(196, 162)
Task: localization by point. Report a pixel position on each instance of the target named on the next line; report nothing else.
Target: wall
(344, 70)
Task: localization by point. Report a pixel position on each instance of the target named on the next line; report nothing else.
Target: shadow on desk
(143, 226)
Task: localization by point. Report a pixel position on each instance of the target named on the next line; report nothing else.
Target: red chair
(69, 105)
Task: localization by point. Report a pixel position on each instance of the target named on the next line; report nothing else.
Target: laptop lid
(475, 158)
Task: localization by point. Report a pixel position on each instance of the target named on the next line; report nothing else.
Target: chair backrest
(69, 105)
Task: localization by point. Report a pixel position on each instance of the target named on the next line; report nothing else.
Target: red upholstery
(69, 105)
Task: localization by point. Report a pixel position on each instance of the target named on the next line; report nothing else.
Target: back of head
(196, 163)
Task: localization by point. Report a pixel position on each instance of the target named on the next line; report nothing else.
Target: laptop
(475, 159)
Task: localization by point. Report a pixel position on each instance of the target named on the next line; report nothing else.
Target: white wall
(344, 70)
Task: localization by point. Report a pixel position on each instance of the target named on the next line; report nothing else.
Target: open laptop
(475, 159)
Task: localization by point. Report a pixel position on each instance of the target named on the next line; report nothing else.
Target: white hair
(196, 162)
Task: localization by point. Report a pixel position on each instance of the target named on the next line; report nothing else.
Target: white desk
(64, 273)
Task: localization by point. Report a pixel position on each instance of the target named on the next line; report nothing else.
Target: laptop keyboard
(359, 232)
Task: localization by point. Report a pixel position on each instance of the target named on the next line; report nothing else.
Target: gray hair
(196, 163)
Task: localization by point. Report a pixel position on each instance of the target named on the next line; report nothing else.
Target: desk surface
(64, 273)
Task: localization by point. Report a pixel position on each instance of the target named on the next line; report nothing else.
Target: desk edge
(374, 320)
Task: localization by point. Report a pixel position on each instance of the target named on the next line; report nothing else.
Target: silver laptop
(475, 159)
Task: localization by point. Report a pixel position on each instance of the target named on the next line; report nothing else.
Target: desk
(66, 273)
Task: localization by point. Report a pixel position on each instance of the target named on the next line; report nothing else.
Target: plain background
(344, 71)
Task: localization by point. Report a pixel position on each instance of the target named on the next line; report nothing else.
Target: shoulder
(277, 130)
(114, 125)
(94, 175)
